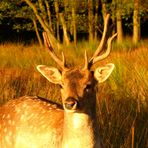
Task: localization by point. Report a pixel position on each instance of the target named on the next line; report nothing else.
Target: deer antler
(48, 45)
(96, 56)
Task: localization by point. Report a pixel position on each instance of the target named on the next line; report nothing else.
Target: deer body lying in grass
(33, 122)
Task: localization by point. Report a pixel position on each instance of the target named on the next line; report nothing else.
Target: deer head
(78, 85)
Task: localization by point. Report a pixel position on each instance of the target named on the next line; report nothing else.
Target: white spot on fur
(4, 115)
(58, 109)
(22, 117)
(9, 122)
(8, 116)
(18, 110)
(5, 130)
(54, 106)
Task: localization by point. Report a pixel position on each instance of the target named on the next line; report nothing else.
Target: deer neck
(80, 130)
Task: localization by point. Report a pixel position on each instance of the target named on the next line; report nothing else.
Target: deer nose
(71, 103)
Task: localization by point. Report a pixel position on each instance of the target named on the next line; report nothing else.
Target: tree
(74, 26)
(15, 11)
(136, 22)
(72, 17)
(42, 20)
(90, 20)
(104, 8)
(56, 5)
(25, 13)
(119, 21)
(96, 19)
(37, 32)
(66, 38)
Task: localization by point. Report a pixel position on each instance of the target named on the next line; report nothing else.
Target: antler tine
(96, 56)
(86, 61)
(109, 45)
(100, 47)
(52, 54)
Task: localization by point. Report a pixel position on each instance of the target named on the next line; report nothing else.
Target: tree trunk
(119, 26)
(96, 20)
(66, 38)
(49, 15)
(66, 5)
(37, 33)
(57, 21)
(90, 20)
(114, 22)
(74, 22)
(54, 41)
(136, 22)
(104, 9)
(43, 12)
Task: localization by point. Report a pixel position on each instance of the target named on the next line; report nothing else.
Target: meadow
(122, 99)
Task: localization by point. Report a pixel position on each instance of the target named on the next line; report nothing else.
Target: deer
(35, 122)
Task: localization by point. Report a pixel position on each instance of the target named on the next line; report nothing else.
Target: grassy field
(122, 99)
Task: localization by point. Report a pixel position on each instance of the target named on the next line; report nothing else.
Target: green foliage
(20, 14)
(4, 7)
(23, 26)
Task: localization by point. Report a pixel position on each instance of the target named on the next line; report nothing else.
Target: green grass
(122, 99)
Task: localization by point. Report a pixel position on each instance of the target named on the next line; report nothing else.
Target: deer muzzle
(71, 103)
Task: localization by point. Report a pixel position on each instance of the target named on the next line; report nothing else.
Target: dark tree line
(65, 20)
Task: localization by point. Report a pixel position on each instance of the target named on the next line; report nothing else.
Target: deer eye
(60, 86)
(88, 87)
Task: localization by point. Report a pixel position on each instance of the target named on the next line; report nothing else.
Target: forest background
(72, 20)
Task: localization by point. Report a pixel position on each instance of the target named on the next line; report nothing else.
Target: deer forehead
(77, 76)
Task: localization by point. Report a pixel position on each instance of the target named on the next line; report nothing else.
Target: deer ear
(50, 73)
(102, 73)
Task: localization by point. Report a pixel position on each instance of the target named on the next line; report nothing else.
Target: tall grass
(122, 100)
